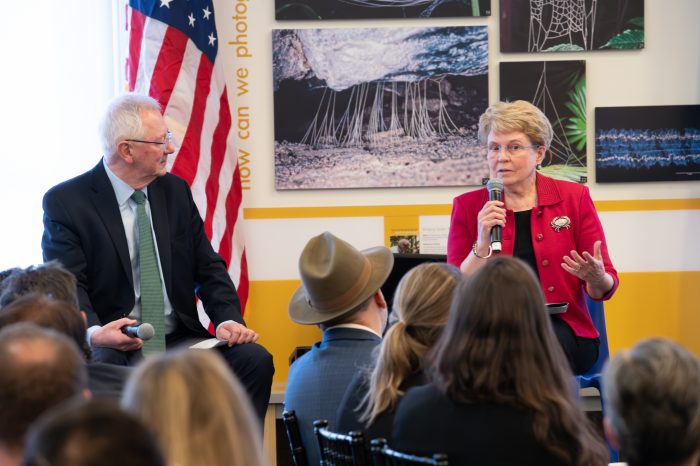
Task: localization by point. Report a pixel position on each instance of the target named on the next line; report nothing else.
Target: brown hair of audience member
(652, 398)
(40, 369)
(90, 433)
(50, 278)
(197, 409)
(421, 303)
(499, 347)
(48, 313)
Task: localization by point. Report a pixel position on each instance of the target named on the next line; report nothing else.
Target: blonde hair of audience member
(421, 303)
(499, 347)
(197, 409)
(653, 403)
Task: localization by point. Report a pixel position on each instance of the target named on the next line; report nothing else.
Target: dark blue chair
(593, 377)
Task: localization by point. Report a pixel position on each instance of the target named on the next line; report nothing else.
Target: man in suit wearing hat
(340, 293)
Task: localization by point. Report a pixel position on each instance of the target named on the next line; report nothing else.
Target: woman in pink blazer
(550, 224)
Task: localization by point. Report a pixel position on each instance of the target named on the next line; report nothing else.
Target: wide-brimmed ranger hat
(335, 278)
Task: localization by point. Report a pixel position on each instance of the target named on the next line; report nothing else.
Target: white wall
(665, 72)
(57, 76)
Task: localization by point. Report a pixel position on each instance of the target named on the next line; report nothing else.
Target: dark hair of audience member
(50, 278)
(652, 396)
(47, 312)
(40, 368)
(198, 411)
(499, 347)
(90, 433)
(421, 304)
(5, 274)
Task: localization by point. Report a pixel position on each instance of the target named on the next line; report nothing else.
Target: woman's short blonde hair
(196, 408)
(521, 116)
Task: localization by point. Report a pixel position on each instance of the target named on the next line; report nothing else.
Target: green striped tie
(152, 304)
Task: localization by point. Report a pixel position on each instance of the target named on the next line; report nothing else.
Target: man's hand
(236, 334)
(111, 336)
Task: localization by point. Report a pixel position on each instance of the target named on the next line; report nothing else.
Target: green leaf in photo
(628, 39)
(639, 22)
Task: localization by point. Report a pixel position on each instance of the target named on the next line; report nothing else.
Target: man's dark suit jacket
(318, 380)
(83, 229)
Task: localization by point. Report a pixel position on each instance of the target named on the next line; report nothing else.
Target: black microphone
(495, 187)
(143, 331)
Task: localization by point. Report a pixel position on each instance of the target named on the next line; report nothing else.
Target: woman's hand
(493, 213)
(590, 269)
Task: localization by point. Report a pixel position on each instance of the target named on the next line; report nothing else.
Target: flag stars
(206, 12)
(165, 3)
(211, 39)
(191, 19)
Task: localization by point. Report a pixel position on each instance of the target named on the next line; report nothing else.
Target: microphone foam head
(494, 184)
(145, 331)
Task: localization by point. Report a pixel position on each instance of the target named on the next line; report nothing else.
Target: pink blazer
(577, 227)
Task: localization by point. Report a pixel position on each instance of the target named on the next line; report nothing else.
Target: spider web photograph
(571, 25)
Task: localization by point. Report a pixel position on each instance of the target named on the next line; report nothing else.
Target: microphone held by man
(144, 331)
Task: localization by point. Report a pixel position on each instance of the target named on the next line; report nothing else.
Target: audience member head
(5, 274)
(519, 116)
(123, 119)
(652, 396)
(40, 369)
(47, 312)
(341, 284)
(90, 433)
(197, 409)
(421, 304)
(50, 278)
(499, 347)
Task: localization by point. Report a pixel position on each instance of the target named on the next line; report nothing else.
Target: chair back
(593, 377)
(297, 448)
(340, 449)
(385, 456)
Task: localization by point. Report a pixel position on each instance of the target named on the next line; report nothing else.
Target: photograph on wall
(404, 244)
(558, 88)
(655, 143)
(391, 107)
(571, 25)
(374, 9)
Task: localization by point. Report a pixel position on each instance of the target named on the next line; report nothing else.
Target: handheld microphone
(143, 331)
(495, 187)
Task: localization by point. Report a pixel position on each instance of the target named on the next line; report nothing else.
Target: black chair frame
(297, 448)
(385, 456)
(340, 449)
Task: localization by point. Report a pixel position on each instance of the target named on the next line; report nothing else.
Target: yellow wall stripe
(262, 213)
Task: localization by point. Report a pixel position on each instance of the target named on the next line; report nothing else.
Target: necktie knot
(138, 197)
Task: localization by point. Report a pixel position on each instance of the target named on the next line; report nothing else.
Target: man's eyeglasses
(168, 139)
(511, 149)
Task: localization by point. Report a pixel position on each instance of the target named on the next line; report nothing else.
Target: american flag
(172, 56)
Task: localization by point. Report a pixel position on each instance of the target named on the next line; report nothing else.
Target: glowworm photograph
(558, 88)
(571, 25)
(651, 143)
(369, 9)
(379, 107)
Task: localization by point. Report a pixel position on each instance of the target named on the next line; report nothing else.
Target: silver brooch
(561, 222)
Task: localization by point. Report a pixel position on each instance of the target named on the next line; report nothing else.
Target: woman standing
(550, 224)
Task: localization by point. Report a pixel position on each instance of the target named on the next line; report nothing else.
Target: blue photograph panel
(654, 143)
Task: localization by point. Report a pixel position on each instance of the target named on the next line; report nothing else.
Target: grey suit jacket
(318, 380)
